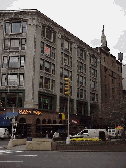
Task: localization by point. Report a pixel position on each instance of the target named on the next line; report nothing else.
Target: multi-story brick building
(36, 54)
(111, 86)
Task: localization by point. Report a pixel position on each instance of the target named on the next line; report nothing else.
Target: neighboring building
(111, 85)
(124, 77)
(36, 54)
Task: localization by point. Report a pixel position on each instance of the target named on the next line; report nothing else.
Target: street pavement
(56, 159)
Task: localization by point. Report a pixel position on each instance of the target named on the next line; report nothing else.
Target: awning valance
(2, 116)
(10, 114)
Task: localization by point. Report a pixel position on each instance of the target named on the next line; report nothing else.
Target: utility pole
(67, 88)
(12, 123)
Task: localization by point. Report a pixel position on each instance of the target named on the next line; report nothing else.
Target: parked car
(92, 133)
(4, 133)
(61, 134)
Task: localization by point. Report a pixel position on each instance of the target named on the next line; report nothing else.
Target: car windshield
(61, 130)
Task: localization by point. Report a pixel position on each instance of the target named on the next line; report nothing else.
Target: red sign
(47, 50)
(74, 121)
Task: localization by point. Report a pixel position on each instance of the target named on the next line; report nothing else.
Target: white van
(4, 133)
(90, 133)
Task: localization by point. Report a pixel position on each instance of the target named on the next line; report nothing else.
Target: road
(57, 159)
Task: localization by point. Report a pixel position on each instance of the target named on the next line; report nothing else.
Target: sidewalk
(21, 147)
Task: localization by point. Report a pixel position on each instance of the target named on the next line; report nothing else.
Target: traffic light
(63, 116)
(67, 86)
(0, 104)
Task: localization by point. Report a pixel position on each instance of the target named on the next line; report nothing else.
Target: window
(42, 47)
(80, 67)
(12, 80)
(70, 90)
(66, 44)
(85, 54)
(7, 27)
(41, 64)
(62, 43)
(96, 97)
(48, 33)
(6, 44)
(78, 52)
(47, 83)
(66, 59)
(84, 68)
(92, 96)
(61, 88)
(66, 73)
(53, 53)
(85, 94)
(61, 58)
(84, 81)
(47, 50)
(14, 62)
(47, 66)
(81, 80)
(14, 44)
(24, 27)
(71, 47)
(93, 60)
(77, 79)
(41, 82)
(54, 37)
(61, 72)
(81, 53)
(93, 85)
(43, 31)
(81, 93)
(70, 75)
(4, 61)
(77, 92)
(52, 85)
(22, 60)
(3, 80)
(70, 63)
(15, 27)
(23, 41)
(53, 69)
(21, 80)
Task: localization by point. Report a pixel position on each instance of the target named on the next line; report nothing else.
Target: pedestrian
(51, 134)
(41, 134)
(46, 134)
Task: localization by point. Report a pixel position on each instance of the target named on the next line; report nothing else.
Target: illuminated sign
(24, 112)
(37, 112)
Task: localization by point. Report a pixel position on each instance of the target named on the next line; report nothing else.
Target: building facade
(111, 86)
(36, 54)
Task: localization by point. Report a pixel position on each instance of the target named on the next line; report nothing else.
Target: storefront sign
(37, 112)
(25, 112)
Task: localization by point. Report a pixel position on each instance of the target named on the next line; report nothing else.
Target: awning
(2, 116)
(4, 122)
(10, 114)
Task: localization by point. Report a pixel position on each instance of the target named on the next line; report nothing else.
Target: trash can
(29, 138)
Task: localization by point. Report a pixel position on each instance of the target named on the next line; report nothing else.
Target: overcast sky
(84, 19)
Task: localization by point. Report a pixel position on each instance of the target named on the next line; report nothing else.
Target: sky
(84, 19)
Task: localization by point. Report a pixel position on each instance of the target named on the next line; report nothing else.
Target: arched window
(38, 121)
(44, 121)
(60, 122)
(54, 121)
(49, 121)
(22, 120)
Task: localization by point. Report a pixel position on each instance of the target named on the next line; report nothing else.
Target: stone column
(57, 77)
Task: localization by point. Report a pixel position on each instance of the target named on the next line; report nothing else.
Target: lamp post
(13, 122)
(67, 89)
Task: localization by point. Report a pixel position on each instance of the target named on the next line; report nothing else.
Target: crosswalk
(6, 151)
